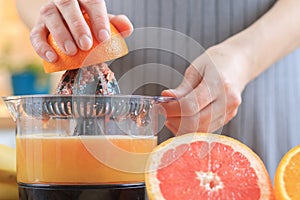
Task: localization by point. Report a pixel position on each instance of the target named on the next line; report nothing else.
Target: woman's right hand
(64, 20)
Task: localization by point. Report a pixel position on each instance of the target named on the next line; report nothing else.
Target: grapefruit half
(206, 166)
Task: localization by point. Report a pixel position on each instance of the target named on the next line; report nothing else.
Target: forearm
(270, 38)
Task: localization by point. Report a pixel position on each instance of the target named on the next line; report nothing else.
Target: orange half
(110, 49)
(287, 177)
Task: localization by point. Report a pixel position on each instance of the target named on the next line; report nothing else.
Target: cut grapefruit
(110, 49)
(206, 166)
(287, 177)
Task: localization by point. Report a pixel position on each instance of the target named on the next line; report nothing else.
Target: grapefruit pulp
(206, 166)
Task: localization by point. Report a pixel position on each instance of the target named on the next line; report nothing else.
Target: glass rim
(155, 99)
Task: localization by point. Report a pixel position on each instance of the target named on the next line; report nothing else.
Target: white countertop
(7, 137)
(7, 127)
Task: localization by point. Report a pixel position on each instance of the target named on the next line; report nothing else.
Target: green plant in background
(30, 65)
(31, 80)
(28, 77)
(36, 68)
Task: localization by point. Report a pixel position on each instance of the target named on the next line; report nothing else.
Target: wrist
(256, 48)
(242, 49)
(239, 65)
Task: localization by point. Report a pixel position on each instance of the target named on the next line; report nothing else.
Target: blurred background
(21, 70)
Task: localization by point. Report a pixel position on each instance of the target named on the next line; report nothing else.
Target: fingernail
(51, 57)
(103, 35)
(70, 47)
(169, 92)
(85, 42)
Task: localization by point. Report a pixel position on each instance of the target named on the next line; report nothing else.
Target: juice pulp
(82, 159)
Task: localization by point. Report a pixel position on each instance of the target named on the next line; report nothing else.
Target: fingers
(191, 79)
(204, 121)
(65, 21)
(53, 21)
(97, 12)
(193, 92)
(190, 104)
(221, 121)
(122, 24)
(183, 125)
(199, 122)
(38, 37)
(72, 15)
(208, 119)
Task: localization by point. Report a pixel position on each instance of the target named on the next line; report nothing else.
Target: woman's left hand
(210, 94)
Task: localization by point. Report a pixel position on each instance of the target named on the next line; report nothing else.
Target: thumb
(122, 23)
(191, 79)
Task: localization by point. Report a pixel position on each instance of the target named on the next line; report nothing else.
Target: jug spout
(12, 103)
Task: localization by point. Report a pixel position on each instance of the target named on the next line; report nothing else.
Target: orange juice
(114, 159)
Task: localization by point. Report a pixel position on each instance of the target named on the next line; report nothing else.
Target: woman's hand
(64, 20)
(210, 94)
